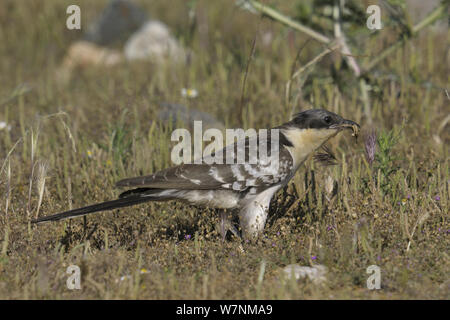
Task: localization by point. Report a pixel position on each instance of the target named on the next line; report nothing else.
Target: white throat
(306, 141)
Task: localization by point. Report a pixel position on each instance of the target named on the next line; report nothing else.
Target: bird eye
(327, 119)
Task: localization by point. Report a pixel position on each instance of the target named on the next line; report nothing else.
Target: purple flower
(370, 145)
(313, 257)
(329, 228)
(408, 196)
(187, 237)
(437, 198)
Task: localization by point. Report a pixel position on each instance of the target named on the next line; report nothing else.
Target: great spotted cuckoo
(244, 188)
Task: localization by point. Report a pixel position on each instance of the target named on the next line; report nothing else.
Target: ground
(101, 126)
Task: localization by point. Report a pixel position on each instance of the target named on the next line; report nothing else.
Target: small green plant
(119, 141)
(380, 156)
(385, 157)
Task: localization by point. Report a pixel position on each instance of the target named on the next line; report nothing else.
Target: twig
(295, 25)
(424, 216)
(340, 41)
(297, 57)
(8, 188)
(432, 17)
(288, 21)
(42, 176)
(288, 84)
(340, 38)
(9, 154)
(307, 66)
(252, 52)
(315, 60)
(366, 100)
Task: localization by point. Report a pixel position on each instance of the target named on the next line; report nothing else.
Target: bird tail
(126, 199)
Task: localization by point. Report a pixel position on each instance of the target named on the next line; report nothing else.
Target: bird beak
(348, 124)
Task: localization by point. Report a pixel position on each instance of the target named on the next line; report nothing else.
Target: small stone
(116, 23)
(316, 273)
(154, 42)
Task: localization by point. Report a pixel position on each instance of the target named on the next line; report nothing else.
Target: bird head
(323, 120)
(310, 129)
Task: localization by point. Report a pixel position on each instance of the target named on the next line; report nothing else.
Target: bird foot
(226, 225)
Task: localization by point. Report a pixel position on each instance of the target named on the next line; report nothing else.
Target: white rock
(316, 273)
(4, 125)
(153, 41)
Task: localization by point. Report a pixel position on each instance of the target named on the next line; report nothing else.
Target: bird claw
(226, 225)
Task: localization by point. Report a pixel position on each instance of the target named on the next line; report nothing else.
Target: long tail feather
(108, 205)
(124, 201)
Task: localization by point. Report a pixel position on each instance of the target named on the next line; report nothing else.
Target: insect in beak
(349, 124)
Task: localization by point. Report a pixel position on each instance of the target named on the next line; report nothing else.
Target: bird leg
(226, 225)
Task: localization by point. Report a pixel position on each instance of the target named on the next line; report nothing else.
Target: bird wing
(208, 175)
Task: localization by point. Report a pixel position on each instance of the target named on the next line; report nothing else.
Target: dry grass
(73, 157)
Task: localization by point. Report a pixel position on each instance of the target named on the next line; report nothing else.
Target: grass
(69, 143)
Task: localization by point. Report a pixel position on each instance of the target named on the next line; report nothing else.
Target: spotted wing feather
(217, 176)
